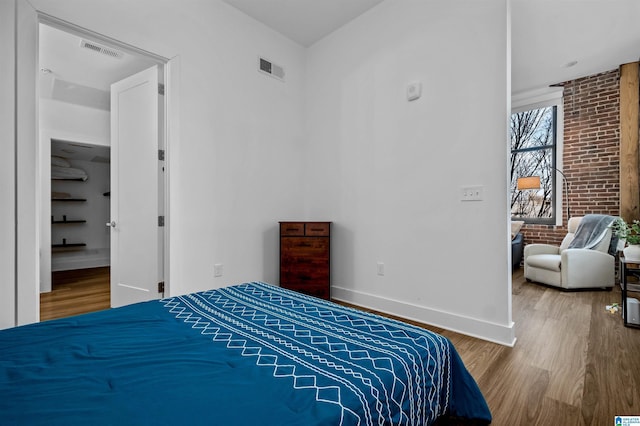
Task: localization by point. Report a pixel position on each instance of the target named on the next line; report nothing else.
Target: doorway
(77, 69)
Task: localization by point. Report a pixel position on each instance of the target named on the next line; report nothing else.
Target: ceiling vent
(101, 49)
(269, 68)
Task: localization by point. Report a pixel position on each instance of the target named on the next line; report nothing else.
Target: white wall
(388, 172)
(67, 121)
(27, 166)
(7, 171)
(250, 150)
(236, 163)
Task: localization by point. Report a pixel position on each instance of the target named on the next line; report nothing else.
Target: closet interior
(80, 195)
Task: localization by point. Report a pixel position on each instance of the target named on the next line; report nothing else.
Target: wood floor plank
(509, 386)
(612, 377)
(554, 412)
(564, 358)
(76, 292)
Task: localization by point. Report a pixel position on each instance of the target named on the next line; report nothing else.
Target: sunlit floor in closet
(76, 292)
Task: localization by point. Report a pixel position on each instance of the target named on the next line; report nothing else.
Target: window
(533, 153)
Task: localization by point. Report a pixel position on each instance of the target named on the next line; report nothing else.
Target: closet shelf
(68, 245)
(65, 220)
(65, 244)
(68, 199)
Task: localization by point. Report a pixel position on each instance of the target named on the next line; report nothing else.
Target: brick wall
(591, 152)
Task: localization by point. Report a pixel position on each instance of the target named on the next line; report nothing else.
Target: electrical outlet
(380, 268)
(471, 193)
(218, 269)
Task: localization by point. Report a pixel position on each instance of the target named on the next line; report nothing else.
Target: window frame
(548, 97)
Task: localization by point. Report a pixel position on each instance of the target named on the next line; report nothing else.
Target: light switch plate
(472, 193)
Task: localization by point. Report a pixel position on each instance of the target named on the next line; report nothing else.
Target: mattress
(249, 354)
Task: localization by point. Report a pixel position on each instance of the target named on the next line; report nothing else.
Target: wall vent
(269, 68)
(101, 49)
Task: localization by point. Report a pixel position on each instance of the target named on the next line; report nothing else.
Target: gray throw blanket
(591, 230)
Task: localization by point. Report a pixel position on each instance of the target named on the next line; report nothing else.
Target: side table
(629, 268)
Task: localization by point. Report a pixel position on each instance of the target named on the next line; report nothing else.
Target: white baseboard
(496, 333)
(80, 259)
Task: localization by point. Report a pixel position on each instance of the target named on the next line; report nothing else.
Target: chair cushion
(572, 227)
(550, 262)
(573, 224)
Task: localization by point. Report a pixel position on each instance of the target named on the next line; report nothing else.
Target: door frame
(29, 248)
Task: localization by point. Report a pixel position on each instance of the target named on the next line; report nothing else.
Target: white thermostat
(414, 90)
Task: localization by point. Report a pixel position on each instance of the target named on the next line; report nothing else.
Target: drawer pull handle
(292, 229)
(317, 229)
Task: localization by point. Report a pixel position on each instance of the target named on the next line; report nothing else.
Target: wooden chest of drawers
(304, 257)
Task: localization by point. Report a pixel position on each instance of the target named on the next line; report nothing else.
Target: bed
(249, 354)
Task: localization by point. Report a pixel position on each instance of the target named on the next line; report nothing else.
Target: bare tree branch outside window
(533, 154)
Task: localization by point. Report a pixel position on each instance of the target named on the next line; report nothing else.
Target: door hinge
(161, 287)
(160, 89)
(161, 154)
(160, 220)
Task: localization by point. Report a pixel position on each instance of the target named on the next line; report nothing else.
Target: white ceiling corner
(304, 21)
(553, 41)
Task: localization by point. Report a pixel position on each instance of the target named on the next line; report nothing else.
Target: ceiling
(304, 21)
(547, 36)
(80, 75)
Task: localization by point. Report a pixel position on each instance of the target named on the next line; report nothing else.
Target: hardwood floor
(574, 363)
(76, 292)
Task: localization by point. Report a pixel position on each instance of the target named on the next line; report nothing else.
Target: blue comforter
(251, 354)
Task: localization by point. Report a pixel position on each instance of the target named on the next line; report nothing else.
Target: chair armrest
(587, 268)
(591, 255)
(531, 249)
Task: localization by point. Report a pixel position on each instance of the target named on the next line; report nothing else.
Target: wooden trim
(629, 129)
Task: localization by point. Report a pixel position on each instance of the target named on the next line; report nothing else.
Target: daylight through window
(533, 153)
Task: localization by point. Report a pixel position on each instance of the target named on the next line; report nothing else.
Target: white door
(136, 245)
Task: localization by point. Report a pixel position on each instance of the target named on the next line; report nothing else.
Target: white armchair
(571, 268)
